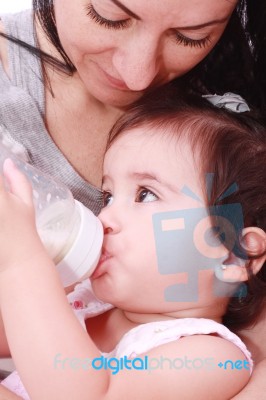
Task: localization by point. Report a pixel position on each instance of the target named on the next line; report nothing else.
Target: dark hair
(230, 145)
(237, 63)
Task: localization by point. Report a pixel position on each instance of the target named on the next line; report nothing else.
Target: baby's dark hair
(230, 145)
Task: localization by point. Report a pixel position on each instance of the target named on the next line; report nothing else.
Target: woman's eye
(107, 199)
(144, 196)
(107, 23)
(185, 41)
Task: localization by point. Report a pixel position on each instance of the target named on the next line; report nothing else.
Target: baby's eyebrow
(124, 8)
(142, 176)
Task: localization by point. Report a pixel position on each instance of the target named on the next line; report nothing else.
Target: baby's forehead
(162, 144)
(146, 147)
(151, 133)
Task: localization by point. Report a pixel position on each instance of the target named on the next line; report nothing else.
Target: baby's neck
(139, 318)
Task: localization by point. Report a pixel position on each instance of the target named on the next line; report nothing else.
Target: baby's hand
(18, 234)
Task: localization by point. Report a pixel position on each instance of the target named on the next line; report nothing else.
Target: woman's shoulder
(20, 26)
(2, 40)
(3, 48)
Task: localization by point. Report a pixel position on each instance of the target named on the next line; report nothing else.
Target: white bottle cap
(83, 256)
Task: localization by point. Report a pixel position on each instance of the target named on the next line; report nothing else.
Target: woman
(110, 52)
(103, 55)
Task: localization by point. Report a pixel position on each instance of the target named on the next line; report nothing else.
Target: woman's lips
(116, 83)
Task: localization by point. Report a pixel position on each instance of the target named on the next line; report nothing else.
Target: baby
(184, 251)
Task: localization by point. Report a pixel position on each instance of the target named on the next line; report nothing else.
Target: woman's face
(122, 47)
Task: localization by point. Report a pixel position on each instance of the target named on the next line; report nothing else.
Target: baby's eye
(107, 198)
(145, 195)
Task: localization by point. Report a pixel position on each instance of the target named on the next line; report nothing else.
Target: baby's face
(144, 174)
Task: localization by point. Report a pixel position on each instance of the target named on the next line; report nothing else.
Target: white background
(7, 6)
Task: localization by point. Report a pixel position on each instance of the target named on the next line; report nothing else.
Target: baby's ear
(236, 270)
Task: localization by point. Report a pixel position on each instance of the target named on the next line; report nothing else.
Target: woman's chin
(119, 99)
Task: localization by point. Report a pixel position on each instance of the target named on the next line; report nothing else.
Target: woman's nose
(137, 62)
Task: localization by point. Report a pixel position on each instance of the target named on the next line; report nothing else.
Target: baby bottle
(71, 233)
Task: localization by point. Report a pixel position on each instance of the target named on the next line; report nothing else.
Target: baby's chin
(102, 288)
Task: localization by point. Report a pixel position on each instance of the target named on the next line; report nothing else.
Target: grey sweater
(22, 109)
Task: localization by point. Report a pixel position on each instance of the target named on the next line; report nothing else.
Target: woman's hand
(18, 234)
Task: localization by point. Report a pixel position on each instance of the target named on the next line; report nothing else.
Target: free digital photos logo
(185, 239)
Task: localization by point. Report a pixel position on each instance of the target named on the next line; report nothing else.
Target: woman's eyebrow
(124, 8)
(200, 26)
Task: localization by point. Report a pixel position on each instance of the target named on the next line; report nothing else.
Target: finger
(18, 183)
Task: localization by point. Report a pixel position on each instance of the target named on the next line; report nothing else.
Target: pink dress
(139, 339)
